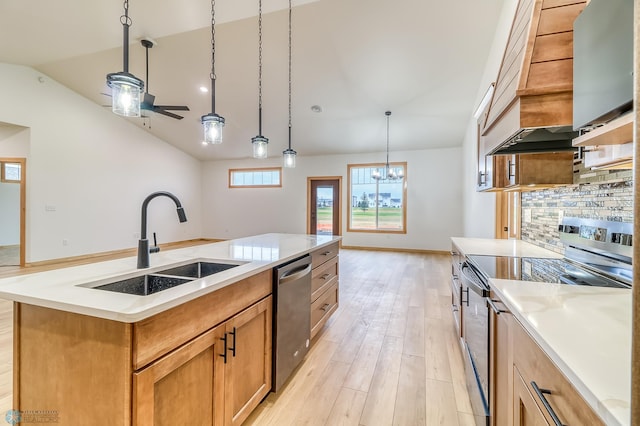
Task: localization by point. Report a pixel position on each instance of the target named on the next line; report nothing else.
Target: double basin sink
(150, 283)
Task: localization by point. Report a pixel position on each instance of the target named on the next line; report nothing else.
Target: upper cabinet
(603, 73)
(532, 107)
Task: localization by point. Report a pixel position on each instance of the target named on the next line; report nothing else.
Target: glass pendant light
(289, 155)
(212, 123)
(126, 88)
(259, 142)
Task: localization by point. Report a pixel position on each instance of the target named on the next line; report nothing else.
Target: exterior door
(324, 206)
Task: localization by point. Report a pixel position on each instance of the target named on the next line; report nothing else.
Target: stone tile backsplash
(607, 197)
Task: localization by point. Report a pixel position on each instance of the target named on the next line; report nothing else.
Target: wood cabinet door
(525, 410)
(185, 387)
(248, 367)
(501, 365)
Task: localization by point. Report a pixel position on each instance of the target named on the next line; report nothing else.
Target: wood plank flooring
(388, 356)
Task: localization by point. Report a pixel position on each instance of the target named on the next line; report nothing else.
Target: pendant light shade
(260, 143)
(259, 147)
(212, 123)
(289, 155)
(126, 89)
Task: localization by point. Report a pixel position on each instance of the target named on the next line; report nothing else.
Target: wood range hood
(532, 106)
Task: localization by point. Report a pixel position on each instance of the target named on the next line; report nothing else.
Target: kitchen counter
(495, 247)
(586, 331)
(65, 289)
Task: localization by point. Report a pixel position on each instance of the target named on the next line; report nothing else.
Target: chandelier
(388, 172)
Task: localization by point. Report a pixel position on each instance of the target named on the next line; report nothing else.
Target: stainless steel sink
(198, 269)
(144, 285)
(158, 280)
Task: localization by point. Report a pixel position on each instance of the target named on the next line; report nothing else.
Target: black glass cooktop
(540, 270)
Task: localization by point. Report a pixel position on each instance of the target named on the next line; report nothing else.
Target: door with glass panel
(324, 206)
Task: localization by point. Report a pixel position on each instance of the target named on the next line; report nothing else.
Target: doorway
(12, 211)
(323, 205)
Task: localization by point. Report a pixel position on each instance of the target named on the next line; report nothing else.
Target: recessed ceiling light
(316, 108)
(203, 89)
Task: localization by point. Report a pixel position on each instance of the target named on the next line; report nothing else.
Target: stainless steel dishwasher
(292, 317)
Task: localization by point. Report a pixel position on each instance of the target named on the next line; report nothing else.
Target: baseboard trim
(115, 254)
(399, 250)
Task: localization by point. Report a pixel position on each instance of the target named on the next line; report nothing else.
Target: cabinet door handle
(327, 253)
(325, 276)
(494, 307)
(464, 290)
(224, 352)
(233, 348)
(325, 306)
(509, 166)
(541, 394)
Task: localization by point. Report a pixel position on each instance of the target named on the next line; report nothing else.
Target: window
(255, 178)
(11, 172)
(377, 205)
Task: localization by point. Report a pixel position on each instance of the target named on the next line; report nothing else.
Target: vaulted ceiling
(421, 59)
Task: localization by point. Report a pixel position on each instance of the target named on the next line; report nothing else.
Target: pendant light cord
(289, 74)
(260, 67)
(388, 113)
(126, 23)
(213, 56)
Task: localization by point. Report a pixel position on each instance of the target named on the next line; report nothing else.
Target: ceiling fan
(147, 103)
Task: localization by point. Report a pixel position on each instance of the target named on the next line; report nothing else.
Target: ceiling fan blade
(174, 107)
(167, 113)
(148, 99)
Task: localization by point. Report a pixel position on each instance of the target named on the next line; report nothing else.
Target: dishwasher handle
(295, 274)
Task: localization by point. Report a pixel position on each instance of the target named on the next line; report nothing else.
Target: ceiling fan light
(259, 147)
(212, 124)
(125, 93)
(289, 156)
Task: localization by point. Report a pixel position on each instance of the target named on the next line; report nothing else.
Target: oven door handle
(471, 284)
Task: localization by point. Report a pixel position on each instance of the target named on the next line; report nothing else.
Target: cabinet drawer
(323, 254)
(323, 277)
(535, 366)
(322, 308)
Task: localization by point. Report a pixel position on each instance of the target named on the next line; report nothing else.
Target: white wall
(479, 207)
(434, 199)
(95, 169)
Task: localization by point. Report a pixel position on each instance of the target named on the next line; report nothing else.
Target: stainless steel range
(597, 253)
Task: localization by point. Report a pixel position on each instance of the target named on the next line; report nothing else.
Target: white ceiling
(421, 59)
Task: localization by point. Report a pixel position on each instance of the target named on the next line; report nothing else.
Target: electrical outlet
(136, 235)
(65, 242)
(527, 215)
(49, 208)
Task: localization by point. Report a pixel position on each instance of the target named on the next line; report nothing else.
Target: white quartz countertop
(65, 289)
(495, 247)
(586, 331)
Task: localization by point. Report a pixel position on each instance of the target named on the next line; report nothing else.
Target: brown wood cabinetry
(324, 285)
(166, 369)
(500, 362)
(525, 172)
(547, 387)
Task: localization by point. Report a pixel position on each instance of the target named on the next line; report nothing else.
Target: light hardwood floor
(388, 355)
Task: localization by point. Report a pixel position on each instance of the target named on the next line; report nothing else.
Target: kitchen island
(196, 353)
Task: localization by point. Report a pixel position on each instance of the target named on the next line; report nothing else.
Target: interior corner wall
(479, 207)
(434, 199)
(88, 172)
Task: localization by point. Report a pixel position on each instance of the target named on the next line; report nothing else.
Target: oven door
(476, 339)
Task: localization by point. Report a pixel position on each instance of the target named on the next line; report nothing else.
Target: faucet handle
(155, 247)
